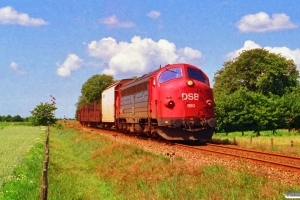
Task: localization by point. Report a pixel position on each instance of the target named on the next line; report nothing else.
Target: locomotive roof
(148, 75)
(141, 79)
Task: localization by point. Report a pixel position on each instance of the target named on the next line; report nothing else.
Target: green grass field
(16, 145)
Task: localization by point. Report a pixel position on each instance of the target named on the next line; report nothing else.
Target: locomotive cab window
(170, 74)
(196, 74)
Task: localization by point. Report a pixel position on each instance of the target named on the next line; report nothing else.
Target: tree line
(257, 91)
(16, 118)
(42, 114)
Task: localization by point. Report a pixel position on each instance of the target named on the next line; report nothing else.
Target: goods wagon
(90, 114)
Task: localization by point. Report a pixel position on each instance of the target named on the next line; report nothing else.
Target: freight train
(174, 102)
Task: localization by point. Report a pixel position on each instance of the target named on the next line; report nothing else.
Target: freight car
(174, 102)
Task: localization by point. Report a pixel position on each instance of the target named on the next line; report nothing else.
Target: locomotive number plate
(191, 105)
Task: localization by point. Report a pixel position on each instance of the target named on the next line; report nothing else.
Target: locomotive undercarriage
(170, 129)
(167, 129)
(172, 133)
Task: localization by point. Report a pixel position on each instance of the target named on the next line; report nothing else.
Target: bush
(59, 126)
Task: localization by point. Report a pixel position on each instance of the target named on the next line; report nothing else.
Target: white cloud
(284, 51)
(9, 15)
(14, 66)
(113, 21)
(153, 14)
(72, 63)
(188, 54)
(247, 46)
(288, 53)
(262, 22)
(140, 55)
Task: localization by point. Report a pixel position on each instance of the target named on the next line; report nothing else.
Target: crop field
(15, 142)
(5, 124)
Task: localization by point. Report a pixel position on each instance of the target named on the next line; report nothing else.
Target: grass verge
(278, 142)
(85, 165)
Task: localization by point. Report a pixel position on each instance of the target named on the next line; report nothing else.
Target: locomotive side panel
(134, 101)
(126, 106)
(140, 104)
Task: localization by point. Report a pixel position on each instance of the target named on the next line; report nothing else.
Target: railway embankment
(130, 167)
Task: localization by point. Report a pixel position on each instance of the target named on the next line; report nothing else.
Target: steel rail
(292, 167)
(256, 151)
(287, 166)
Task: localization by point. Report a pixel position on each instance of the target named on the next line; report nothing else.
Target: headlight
(169, 103)
(190, 82)
(209, 103)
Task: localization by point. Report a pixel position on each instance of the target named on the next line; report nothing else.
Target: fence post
(44, 187)
(272, 142)
(292, 143)
(251, 139)
(44, 191)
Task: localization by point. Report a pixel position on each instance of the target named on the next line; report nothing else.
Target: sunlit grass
(281, 141)
(4, 124)
(85, 165)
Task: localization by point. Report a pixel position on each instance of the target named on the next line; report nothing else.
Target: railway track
(288, 162)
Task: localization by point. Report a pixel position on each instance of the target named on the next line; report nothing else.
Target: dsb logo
(190, 96)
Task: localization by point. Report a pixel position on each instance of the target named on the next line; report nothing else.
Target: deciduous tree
(253, 92)
(291, 104)
(43, 114)
(258, 71)
(91, 90)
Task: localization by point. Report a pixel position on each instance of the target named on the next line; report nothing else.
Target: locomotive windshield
(170, 74)
(196, 74)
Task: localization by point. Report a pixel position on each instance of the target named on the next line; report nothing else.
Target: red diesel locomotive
(174, 102)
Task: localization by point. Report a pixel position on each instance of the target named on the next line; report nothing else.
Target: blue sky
(53, 47)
